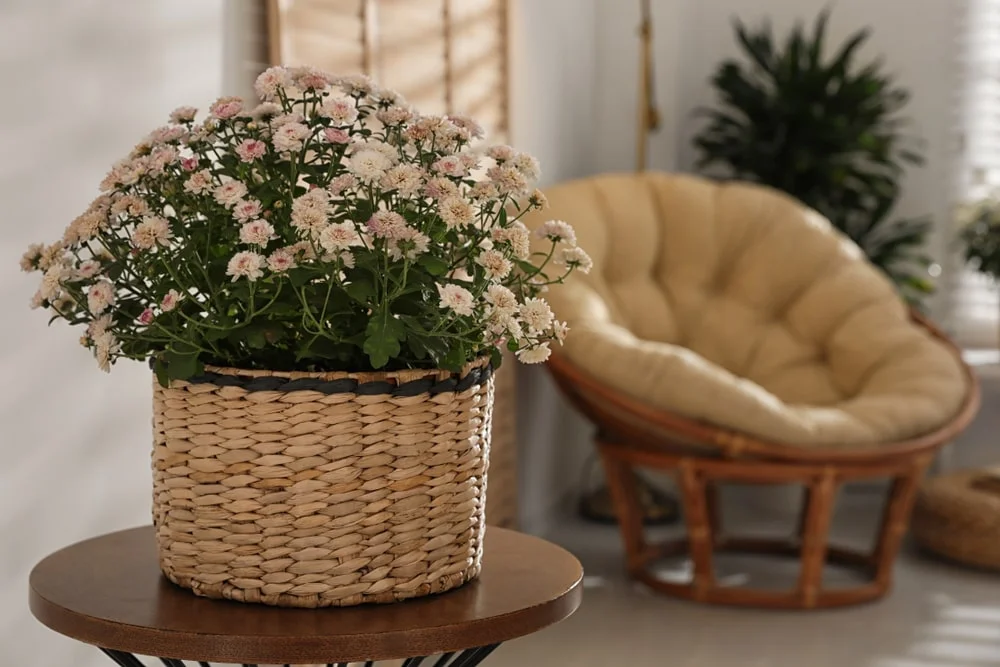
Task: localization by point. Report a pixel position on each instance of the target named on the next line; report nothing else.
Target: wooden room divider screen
(444, 56)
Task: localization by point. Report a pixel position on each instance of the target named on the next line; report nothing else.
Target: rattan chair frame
(701, 456)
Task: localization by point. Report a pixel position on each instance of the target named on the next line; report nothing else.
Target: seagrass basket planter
(322, 489)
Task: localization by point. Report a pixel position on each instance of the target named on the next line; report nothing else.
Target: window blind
(975, 307)
(444, 56)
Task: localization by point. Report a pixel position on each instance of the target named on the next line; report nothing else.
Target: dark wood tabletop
(108, 591)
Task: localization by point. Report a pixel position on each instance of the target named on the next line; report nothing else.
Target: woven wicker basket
(322, 489)
(958, 516)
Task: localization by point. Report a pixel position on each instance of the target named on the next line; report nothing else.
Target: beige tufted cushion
(734, 304)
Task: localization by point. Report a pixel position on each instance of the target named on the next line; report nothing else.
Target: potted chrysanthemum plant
(323, 285)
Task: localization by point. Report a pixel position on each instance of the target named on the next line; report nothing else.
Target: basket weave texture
(958, 516)
(322, 489)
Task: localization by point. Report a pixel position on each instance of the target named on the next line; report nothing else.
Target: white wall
(553, 116)
(83, 82)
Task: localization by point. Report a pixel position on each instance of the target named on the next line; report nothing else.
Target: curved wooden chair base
(698, 479)
(749, 597)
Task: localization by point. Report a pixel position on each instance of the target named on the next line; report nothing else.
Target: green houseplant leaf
(825, 129)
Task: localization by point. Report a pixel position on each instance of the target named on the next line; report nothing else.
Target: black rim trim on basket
(474, 377)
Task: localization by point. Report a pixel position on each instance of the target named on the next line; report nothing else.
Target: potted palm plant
(827, 130)
(322, 284)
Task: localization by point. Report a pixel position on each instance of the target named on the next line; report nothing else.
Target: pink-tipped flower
(335, 135)
(386, 224)
(251, 149)
(146, 317)
(170, 300)
(226, 107)
(189, 163)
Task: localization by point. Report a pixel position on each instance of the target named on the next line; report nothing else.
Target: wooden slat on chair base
(702, 456)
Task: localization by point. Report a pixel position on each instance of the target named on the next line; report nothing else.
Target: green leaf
(455, 358)
(255, 337)
(182, 365)
(434, 265)
(496, 357)
(301, 275)
(382, 337)
(361, 291)
(160, 369)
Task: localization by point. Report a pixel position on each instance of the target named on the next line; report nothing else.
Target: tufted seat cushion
(735, 305)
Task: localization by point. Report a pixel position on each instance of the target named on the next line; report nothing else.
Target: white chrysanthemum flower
(557, 230)
(518, 236)
(247, 265)
(225, 108)
(369, 165)
(497, 266)
(339, 236)
(560, 330)
(407, 243)
(87, 269)
(468, 124)
(52, 281)
(386, 224)
(536, 315)
(346, 259)
(270, 81)
(501, 153)
(441, 188)
(527, 165)
(129, 205)
(406, 179)
(290, 137)
(456, 212)
(251, 149)
(151, 232)
(31, 256)
(229, 193)
(265, 111)
(198, 182)
(535, 355)
(450, 165)
(170, 300)
(341, 110)
(281, 260)
(183, 114)
(105, 347)
(51, 255)
(100, 297)
(257, 232)
(341, 183)
(457, 299)
(355, 84)
(508, 180)
(246, 210)
(394, 115)
(576, 258)
(483, 191)
(309, 211)
(501, 298)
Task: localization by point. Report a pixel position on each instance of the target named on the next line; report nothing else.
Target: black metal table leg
(467, 658)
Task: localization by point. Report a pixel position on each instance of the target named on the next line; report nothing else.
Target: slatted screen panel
(444, 56)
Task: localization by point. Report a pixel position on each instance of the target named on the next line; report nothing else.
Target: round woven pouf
(958, 516)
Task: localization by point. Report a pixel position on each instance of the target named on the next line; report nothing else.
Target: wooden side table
(108, 592)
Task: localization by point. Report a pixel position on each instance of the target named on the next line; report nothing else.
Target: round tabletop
(109, 592)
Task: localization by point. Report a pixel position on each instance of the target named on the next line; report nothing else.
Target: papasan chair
(729, 334)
